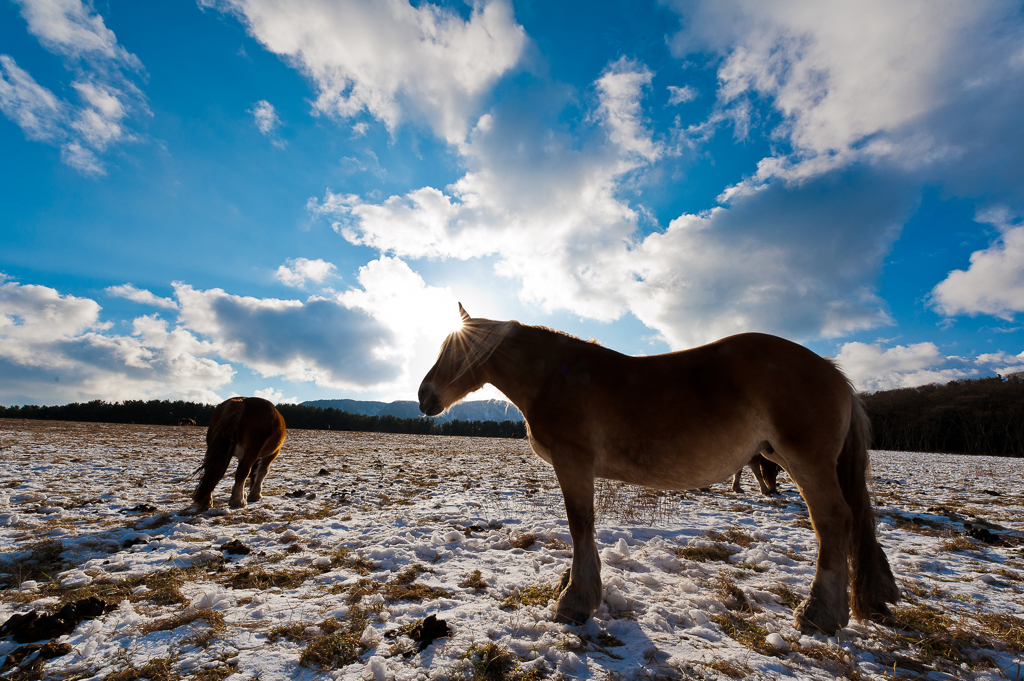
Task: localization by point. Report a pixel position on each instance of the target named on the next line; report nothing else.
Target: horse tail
(873, 584)
(220, 445)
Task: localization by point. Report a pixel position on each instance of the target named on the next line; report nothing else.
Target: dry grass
(523, 541)
(260, 579)
(531, 595)
(402, 588)
(154, 670)
(704, 554)
(1007, 628)
(492, 662)
(474, 581)
(338, 645)
(934, 635)
(213, 618)
(786, 596)
(836, 660)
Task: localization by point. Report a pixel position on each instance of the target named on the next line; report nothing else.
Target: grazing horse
(684, 420)
(249, 428)
(766, 472)
(186, 422)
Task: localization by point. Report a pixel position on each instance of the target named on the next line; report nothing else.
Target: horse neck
(521, 362)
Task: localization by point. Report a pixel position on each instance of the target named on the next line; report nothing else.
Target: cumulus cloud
(872, 368)
(317, 340)
(267, 121)
(106, 98)
(275, 396)
(936, 92)
(784, 259)
(55, 347)
(297, 271)
(994, 282)
(390, 59)
(137, 295)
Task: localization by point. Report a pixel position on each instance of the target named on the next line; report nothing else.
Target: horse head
(458, 369)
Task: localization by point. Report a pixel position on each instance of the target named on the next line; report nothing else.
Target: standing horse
(766, 472)
(249, 428)
(185, 421)
(680, 421)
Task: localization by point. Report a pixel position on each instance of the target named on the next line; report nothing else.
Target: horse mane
(559, 332)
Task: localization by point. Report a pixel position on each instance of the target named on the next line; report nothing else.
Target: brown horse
(186, 422)
(680, 421)
(249, 428)
(766, 472)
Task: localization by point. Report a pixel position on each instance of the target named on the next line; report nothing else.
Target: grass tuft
(531, 595)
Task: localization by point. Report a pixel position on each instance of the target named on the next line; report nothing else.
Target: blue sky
(287, 199)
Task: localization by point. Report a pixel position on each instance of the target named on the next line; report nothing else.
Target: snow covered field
(361, 536)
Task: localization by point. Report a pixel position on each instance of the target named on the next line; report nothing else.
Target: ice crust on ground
(114, 497)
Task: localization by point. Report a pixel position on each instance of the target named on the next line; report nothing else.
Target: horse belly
(677, 463)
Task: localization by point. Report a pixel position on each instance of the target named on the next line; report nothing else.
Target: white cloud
(131, 292)
(901, 83)
(267, 121)
(994, 282)
(317, 340)
(36, 110)
(620, 89)
(55, 347)
(871, 368)
(74, 30)
(800, 261)
(297, 271)
(681, 95)
(390, 59)
(275, 396)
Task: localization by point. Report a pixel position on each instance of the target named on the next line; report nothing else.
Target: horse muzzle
(430, 401)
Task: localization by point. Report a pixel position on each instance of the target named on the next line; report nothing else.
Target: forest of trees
(977, 416)
(298, 416)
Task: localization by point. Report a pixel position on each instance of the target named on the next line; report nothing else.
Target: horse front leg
(827, 607)
(755, 465)
(581, 585)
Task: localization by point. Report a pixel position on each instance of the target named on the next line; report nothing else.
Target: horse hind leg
(246, 461)
(268, 452)
(736, 486)
(259, 473)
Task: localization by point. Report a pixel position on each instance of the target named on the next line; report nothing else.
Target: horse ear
(462, 311)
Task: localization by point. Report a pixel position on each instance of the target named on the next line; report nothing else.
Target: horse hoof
(252, 499)
(201, 508)
(881, 614)
(811, 618)
(237, 504)
(568, 615)
(571, 608)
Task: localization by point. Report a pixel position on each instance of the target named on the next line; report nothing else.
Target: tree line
(298, 416)
(975, 416)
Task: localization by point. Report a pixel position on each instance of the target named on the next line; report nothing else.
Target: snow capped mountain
(479, 410)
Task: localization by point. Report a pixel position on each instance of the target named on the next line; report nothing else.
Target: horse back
(247, 421)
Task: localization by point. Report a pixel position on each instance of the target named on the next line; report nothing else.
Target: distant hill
(479, 410)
